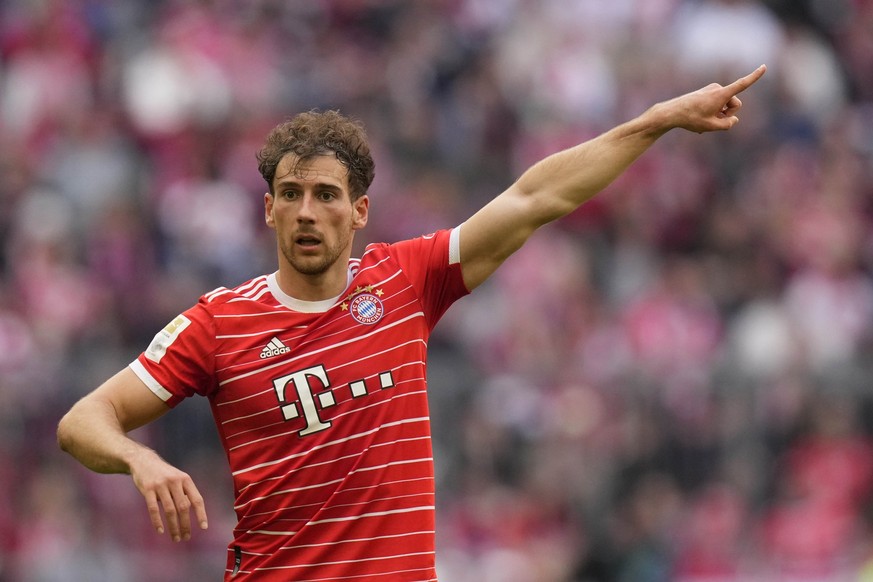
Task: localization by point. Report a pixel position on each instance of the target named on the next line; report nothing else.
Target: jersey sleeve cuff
(150, 381)
(455, 246)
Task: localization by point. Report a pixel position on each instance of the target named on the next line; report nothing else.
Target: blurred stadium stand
(675, 383)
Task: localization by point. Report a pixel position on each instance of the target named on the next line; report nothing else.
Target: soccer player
(316, 373)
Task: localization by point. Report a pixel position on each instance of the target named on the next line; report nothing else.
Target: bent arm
(561, 182)
(95, 429)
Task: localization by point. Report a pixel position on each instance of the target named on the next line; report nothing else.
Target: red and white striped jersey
(322, 410)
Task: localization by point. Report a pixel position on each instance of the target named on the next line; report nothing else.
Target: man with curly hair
(316, 373)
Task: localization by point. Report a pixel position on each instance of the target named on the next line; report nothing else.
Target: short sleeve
(432, 265)
(179, 361)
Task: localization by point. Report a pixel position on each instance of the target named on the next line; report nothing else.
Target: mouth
(307, 241)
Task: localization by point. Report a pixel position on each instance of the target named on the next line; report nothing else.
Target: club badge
(365, 305)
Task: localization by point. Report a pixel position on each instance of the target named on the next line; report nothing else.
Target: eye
(290, 194)
(326, 195)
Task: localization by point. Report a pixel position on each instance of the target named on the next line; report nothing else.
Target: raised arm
(561, 182)
(94, 431)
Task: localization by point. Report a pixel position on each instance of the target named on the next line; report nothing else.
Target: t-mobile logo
(305, 383)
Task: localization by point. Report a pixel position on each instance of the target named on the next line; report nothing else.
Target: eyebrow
(317, 184)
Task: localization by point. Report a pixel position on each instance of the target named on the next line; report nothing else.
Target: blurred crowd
(673, 383)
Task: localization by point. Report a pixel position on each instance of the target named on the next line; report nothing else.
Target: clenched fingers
(731, 107)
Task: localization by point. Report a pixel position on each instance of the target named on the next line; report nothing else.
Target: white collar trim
(299, 304)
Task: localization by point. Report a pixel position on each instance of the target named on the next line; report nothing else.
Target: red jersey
(322, 410)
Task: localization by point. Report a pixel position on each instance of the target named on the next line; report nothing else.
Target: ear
(268, 210)
(360, 212)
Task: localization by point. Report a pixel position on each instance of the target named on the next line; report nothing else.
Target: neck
(312, 287)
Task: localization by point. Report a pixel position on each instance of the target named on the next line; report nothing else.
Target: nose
(306, 209)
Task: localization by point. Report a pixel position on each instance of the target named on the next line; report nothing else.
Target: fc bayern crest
(366, 308)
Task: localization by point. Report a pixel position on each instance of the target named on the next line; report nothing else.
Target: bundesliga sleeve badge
(165, 338)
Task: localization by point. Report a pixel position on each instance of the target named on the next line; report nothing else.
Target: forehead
(318, 169)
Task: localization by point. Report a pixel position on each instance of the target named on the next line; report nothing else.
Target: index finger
(197, 503)
(744, 83)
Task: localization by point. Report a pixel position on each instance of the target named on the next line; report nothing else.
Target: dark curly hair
(316, 133)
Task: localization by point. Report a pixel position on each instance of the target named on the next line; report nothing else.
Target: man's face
(313, 214)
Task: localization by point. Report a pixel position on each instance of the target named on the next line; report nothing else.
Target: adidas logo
(274, 348)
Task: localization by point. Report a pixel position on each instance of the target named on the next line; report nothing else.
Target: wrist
(658, 120)
(135, 455)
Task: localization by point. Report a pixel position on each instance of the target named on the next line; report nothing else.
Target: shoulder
(442, 242)
(252, 290)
